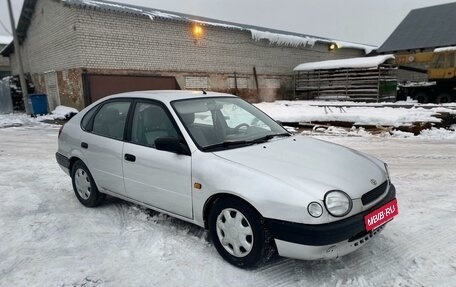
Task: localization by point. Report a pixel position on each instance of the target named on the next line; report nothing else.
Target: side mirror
(172, 144)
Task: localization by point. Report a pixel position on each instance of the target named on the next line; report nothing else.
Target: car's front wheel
(238, 233)
(84, 186)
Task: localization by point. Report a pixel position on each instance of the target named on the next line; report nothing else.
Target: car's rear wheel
(84, 186)
(238, 233)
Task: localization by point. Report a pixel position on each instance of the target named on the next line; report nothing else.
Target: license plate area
(381, 215)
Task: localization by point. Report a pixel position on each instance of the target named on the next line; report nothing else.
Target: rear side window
(86, 119)
(110, 120)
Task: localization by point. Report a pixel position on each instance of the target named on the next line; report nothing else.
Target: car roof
(167, 96)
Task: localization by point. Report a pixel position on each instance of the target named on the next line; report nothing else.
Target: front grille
(375, 193)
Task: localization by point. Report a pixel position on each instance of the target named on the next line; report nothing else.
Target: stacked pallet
(334, 81)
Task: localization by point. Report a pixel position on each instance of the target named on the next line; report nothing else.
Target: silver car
(217, 161)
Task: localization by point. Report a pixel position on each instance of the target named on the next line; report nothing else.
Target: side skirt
(126, 198)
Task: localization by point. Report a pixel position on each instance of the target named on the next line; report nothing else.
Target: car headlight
(338, 203)
(315, 209)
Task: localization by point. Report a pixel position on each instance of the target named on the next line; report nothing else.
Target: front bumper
(309, 252)
(331, 240)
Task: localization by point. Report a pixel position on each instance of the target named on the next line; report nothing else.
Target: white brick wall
(120, 41)
(52, 39)
(196, 82)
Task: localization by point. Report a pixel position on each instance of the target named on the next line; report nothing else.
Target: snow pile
(431, 134)
(21, 119)
(12, 120)
(445, 49)
(307, 111)
(438, 134)
(363, 62)
(63, 113)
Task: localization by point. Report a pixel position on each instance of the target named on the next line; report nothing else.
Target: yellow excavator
(440, 67)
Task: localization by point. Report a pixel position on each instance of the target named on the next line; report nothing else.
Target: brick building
(77, 51)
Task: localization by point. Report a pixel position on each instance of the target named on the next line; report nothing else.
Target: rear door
(102, 145)
(159, 178)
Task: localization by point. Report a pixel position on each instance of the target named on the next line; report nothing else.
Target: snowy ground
(360, 113)
(48, 239)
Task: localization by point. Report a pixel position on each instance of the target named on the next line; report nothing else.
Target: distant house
(423, 29)
(78, 51)
(5, 69)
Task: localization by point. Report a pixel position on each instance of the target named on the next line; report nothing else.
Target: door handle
(84, 145)
(130, 157)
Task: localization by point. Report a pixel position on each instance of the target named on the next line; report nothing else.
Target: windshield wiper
(226, 144)
(268, 137)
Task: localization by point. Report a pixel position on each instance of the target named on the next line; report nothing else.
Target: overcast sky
(362, 21)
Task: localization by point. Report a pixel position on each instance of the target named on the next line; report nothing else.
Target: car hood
(311, 165)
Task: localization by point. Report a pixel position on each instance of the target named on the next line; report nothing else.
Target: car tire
(238, 233)
(84, 186)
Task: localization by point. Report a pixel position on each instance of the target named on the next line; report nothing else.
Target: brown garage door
(99, 86)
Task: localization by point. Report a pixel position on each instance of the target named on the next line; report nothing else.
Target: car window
(87, 117)
(110, 120)
(150, 122)
(224, 121)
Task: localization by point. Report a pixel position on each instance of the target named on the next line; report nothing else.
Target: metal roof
(424, 28)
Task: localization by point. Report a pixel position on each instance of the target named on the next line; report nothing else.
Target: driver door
(159, 178)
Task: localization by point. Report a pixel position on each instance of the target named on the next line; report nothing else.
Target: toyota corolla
(217, 161)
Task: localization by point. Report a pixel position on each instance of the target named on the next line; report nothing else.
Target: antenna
(204, 92)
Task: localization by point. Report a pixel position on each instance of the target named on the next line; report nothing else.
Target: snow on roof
(276, 37)
(445, 49)
(5, 39)
(363, 62)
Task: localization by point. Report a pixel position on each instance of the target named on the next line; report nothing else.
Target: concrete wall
(66, 39)
(5, 68)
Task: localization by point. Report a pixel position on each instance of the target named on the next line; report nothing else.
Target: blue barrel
(38, 104)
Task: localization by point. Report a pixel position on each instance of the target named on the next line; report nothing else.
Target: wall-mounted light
(197, 31)
(333, 46)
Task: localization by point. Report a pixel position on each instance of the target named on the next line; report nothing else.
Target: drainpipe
(19, 60)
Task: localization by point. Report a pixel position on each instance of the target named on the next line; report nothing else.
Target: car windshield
(223, 123)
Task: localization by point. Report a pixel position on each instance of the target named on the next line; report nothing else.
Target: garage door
(99, 86)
